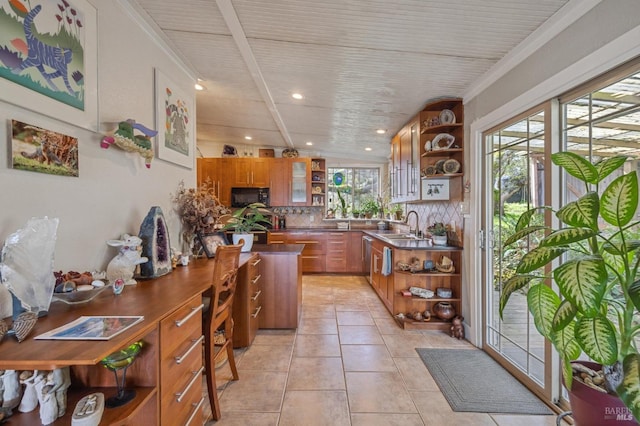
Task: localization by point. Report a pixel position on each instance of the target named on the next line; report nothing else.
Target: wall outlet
(311, 218)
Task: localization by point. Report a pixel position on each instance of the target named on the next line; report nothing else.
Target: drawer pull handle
(255, 297)
(258, 260)
(196, 343)
(255, 280)
(195, 411)
(194, 311)
(196, 376)
(255, 314)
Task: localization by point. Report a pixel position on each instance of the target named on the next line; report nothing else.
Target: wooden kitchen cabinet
(355, 253)
(380, 282)
(300, 181)
(247, 303)
(220, 172)
(336, 256)
(279, 182)
(252, 172)
(313, 255)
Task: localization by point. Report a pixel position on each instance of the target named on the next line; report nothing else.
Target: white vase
(439, 240)
(248, 241)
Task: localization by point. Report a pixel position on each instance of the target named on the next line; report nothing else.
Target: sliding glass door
(515, 167)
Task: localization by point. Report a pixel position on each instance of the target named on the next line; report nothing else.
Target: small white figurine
(11, 393)
(124, 264)
(48, 406)
(61, 382)
(29, 400)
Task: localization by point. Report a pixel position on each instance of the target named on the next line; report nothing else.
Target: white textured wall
(114, 191)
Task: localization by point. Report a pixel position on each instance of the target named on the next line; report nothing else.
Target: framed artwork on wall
(48, 59)
(41, 150)
(175, 116)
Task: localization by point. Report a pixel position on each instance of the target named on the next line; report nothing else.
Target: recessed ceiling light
(297, 96)
(309, 143)
(368, 148)
(198, 86)
(381, 131)
(248, 138)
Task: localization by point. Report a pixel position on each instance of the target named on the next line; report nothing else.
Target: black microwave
(242, 197)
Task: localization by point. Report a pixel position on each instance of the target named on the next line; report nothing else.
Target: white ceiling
(361, 64)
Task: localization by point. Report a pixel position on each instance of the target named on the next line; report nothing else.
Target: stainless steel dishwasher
(366, 256)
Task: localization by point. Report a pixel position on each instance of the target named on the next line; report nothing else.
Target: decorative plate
(447, 117)
(451, 166)
(428, 171)
(442, 141)
(440, 166)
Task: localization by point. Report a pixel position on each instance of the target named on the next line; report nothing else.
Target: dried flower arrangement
(199, 210)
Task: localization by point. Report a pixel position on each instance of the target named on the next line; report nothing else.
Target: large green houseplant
(597, 277)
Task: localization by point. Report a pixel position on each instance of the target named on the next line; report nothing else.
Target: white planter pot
(248, 241)
(439, 240)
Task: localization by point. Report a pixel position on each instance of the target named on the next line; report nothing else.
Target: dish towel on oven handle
(386, 261)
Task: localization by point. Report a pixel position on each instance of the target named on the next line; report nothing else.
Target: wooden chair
(218, 316)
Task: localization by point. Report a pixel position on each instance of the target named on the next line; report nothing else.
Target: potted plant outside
(355, 213)
(245, 220)
(597, 313)
(438, 233)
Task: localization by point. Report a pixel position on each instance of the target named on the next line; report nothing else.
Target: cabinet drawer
(182, 323)
(181, 393)
(311, 263)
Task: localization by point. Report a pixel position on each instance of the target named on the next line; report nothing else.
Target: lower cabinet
(247, 303)
(313, 254)
(181, 364)
(281, 275)
(336, 257)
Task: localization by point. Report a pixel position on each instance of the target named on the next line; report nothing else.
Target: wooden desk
(160, 301)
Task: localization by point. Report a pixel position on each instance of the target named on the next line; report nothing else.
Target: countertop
(409, 244)
(319, 229)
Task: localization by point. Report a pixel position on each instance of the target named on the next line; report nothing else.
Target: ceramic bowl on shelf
(444, 293)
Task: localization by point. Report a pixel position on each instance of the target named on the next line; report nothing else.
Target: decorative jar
(444, 310)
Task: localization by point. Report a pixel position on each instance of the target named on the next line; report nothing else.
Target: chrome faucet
(406, 220)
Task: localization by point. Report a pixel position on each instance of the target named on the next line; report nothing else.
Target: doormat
(471, 380)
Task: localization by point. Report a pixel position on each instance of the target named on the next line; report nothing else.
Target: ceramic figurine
(61, 382)
(48, 405)
(29, 400)
(457, 329)
(125, 138)
(124, 264)
(88, 411)
(11, 393)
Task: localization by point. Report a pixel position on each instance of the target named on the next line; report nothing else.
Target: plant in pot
(355, 213)
(369, 207)
(438, 233)
(596, 313)
(245, 220)
(342, 208)
(397, 211)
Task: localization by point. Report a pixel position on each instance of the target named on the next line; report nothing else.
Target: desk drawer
(182, 393)
(182, 323)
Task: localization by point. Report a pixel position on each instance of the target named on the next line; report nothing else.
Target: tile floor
(348, 363)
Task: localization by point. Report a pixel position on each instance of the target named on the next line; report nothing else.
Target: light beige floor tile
(317, 326)
(359, 334)
(522, 420)
(415, 374)
(345, 305)
(387, 325)
(244, 419)
(318, 311)
(367, 358)
(316, 345)
(404, 345)
(441, 339)
(378, 393)
(275, 337)
(354, 318)
(312, 408)
(435, 411)
(317, 373)
(266, 358)
(256, 391)
(381, 419)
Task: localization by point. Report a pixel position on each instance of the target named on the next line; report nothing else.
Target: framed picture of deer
(175, 115)
(36, 149)
(48, 59)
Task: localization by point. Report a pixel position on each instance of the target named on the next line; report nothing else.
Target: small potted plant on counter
(438, 233)
(355, 213)
(369, 207)
(397, 211)
(245, 220)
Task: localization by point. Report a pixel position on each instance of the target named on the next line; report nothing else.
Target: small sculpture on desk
(457, 328)
(11, 389)
(119, 362)
(124, 264)
(61, 382)
(88, 411)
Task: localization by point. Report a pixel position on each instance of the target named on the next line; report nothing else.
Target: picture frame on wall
(175, 116)
(210, 242)
(66, 91)
(41, 150)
